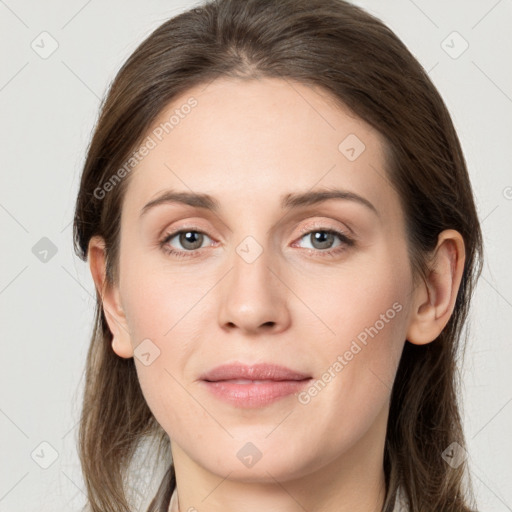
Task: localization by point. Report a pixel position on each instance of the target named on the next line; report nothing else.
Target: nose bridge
(252, 255)
(251, 273)
(251, 295)
(251, 264)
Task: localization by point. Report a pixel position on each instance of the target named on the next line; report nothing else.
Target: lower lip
(255, 394)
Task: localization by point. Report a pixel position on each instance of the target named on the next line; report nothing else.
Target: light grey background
(48, 109)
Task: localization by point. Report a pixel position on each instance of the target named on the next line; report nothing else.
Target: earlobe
(434, 300)
(110, 299)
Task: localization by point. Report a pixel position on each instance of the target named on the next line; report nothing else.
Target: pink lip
(262, 371)
(271, 382)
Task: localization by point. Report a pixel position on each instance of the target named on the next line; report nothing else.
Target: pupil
(323, 238)
(189, 237)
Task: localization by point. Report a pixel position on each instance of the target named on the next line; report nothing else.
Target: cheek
(157, 297)
(367, 338)
(358, 368)
(365, 310)
(162, 310)
(363, 299)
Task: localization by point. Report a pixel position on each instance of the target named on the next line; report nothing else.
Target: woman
(282, 232)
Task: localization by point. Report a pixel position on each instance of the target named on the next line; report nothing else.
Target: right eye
(186, 237)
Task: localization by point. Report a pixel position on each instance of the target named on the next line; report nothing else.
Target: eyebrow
(288, 201)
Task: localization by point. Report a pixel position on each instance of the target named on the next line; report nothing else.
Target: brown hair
(363, 65)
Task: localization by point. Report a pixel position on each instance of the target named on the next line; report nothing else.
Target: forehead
(248, 140)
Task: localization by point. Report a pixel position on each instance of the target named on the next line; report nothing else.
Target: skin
(247, 143)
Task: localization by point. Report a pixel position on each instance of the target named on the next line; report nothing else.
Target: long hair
(363, 65)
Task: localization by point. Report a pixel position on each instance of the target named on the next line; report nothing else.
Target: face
(319, 287)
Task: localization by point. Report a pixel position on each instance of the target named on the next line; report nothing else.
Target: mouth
(253, 394)
(253, 386)
(255, 372)
(246, 381)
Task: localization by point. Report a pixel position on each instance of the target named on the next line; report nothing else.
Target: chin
(266, 469)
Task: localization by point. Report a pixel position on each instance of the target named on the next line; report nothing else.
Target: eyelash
(347, 241)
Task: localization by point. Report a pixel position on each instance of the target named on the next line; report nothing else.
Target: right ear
(110, 299)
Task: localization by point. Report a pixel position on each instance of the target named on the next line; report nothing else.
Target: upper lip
(261, 371)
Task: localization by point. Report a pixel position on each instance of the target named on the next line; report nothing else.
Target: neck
(352, 482)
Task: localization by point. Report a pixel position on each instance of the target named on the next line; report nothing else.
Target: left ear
(434, 300)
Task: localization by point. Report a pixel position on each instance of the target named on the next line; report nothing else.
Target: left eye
(323, 238)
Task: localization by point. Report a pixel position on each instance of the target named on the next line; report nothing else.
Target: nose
(253, 297)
